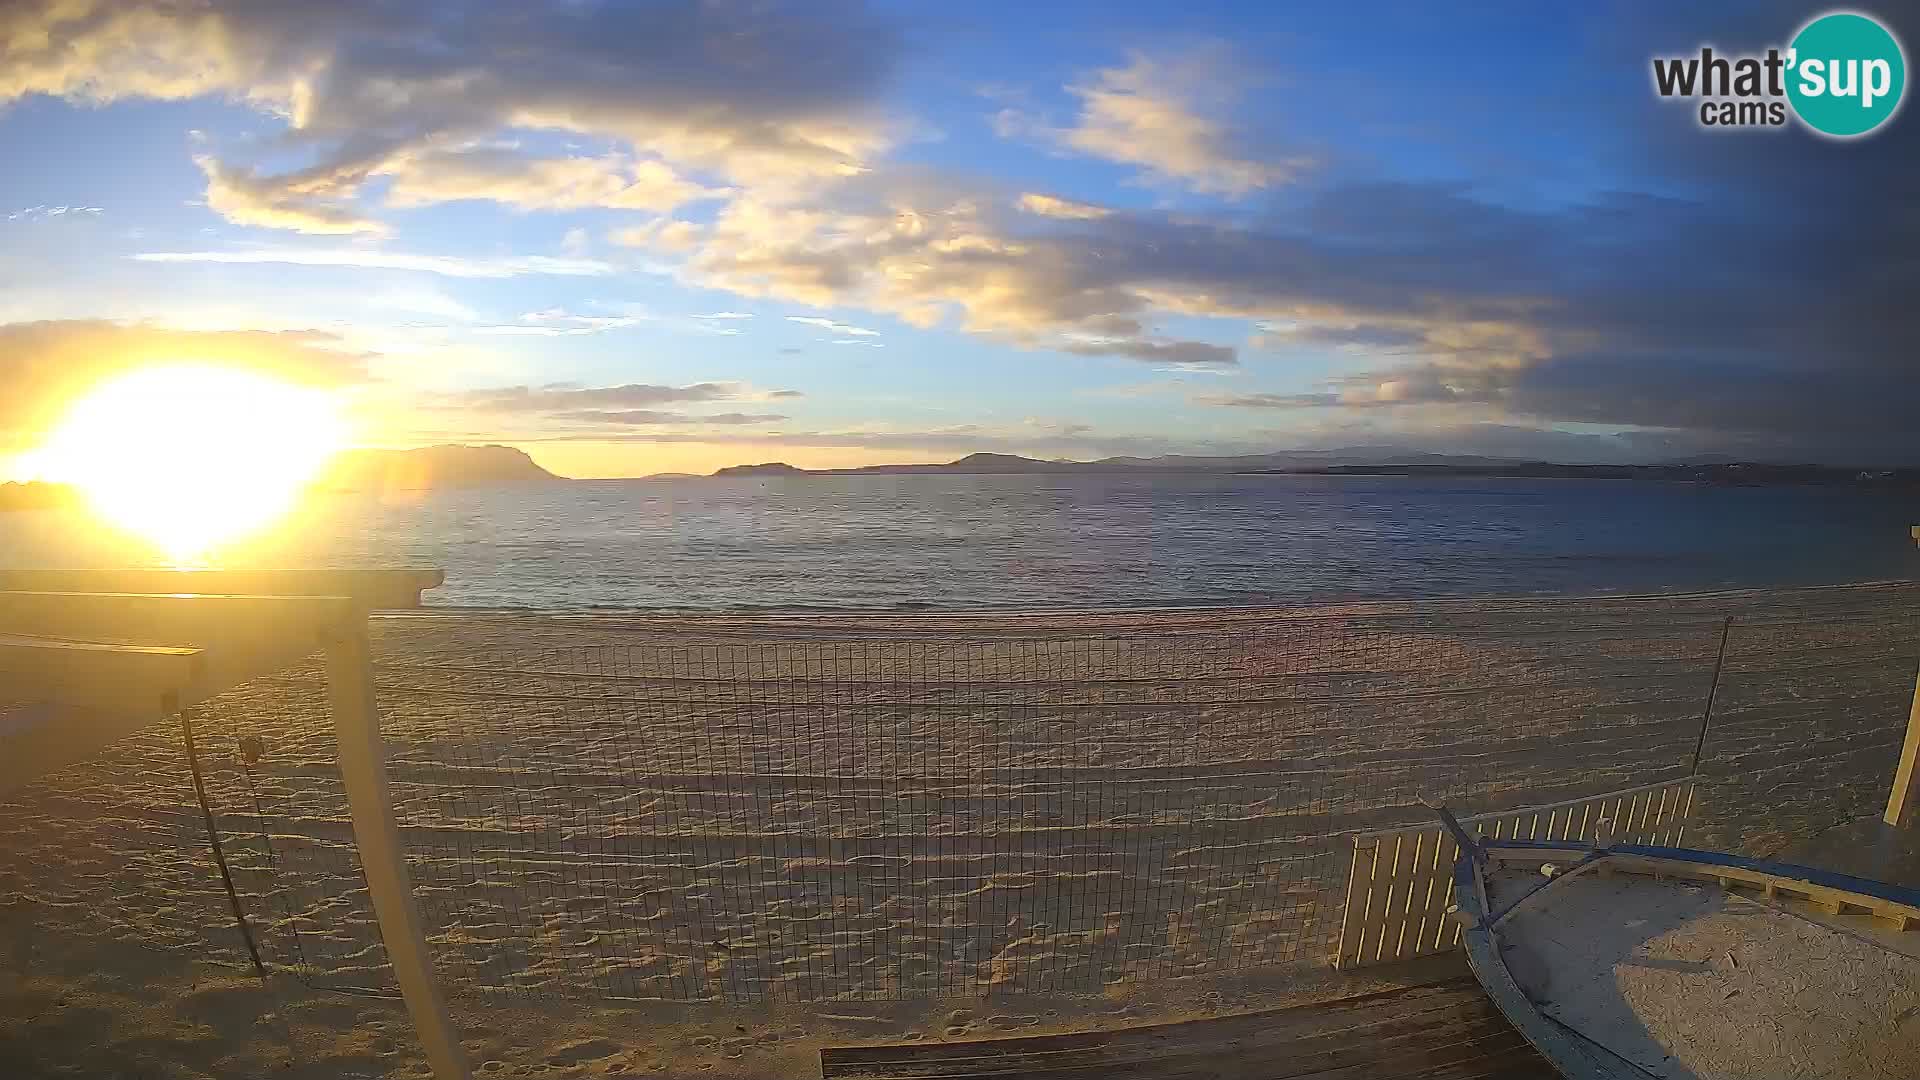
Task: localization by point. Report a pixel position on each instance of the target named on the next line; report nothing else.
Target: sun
(192, 456)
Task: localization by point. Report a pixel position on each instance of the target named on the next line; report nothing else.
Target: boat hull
(1638, 961)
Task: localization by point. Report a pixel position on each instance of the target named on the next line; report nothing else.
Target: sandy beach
(709, 845)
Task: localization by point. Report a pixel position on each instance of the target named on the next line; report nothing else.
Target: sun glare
(192, 456)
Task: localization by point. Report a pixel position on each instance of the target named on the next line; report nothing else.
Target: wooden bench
(1438, 1031)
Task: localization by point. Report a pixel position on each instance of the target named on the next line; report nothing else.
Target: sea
(938, 542)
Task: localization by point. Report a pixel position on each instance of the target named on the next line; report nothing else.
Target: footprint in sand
(589, 1050)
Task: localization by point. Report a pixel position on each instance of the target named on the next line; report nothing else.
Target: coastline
(1054, 618)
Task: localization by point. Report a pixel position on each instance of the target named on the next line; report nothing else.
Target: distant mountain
(432, 467)
(972, 463)
(987, 464)
(998, 464)
(1732, 474)
(1305, 459)
(1376, 461)
(765, 468)
(36, 496)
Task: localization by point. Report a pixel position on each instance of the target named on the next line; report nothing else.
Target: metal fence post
(1713, 691)
(356, 723)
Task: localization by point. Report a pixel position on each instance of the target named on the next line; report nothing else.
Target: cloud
(632, 417)
(459, 266)
(562, 315)
(1055, 207)
(1427, 385)
(1271, 401)
(1456, 298)
(519, 330)
(1182, 353)
(400, 105)
(554, 322)
(1746, 292)
(563, 397)
(1721, 393)
(45, 366)
(1164, 115)
(662, 234)
(570, 411)
(1370, 340)
(761, 93)
(314, 201)
(1491, 438)
(925, 250)
(1541, 315)
(724, 315)
(508, 177)
(1769, 327)
(525, 330)
(832, 326)
(954, 440)
(54, 213)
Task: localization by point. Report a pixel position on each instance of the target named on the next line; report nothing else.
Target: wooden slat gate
(1401, 882)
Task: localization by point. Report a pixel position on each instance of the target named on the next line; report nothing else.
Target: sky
(670, 236)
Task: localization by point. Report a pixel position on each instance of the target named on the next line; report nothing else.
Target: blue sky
(671, 236)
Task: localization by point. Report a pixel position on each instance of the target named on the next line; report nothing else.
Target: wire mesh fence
(796, 814)
(887, 818)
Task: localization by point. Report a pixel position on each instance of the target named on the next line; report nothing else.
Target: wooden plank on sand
(241, 637)
(372, 590)
(61, 701)
(1436, 1029)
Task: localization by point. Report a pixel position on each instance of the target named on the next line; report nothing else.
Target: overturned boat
(1636, 961)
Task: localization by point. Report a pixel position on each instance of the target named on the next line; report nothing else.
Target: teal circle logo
(1846, 74)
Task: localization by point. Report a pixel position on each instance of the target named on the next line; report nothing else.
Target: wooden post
(356, 722)
(1904, 800)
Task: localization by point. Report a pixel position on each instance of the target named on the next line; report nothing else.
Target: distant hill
(1376, 461)
(766, 468)
(1732, 474)
(998, 464)
(36, 496)
(993, 464)
(432, 467)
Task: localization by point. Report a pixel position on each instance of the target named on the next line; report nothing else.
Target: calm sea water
(905, 542)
